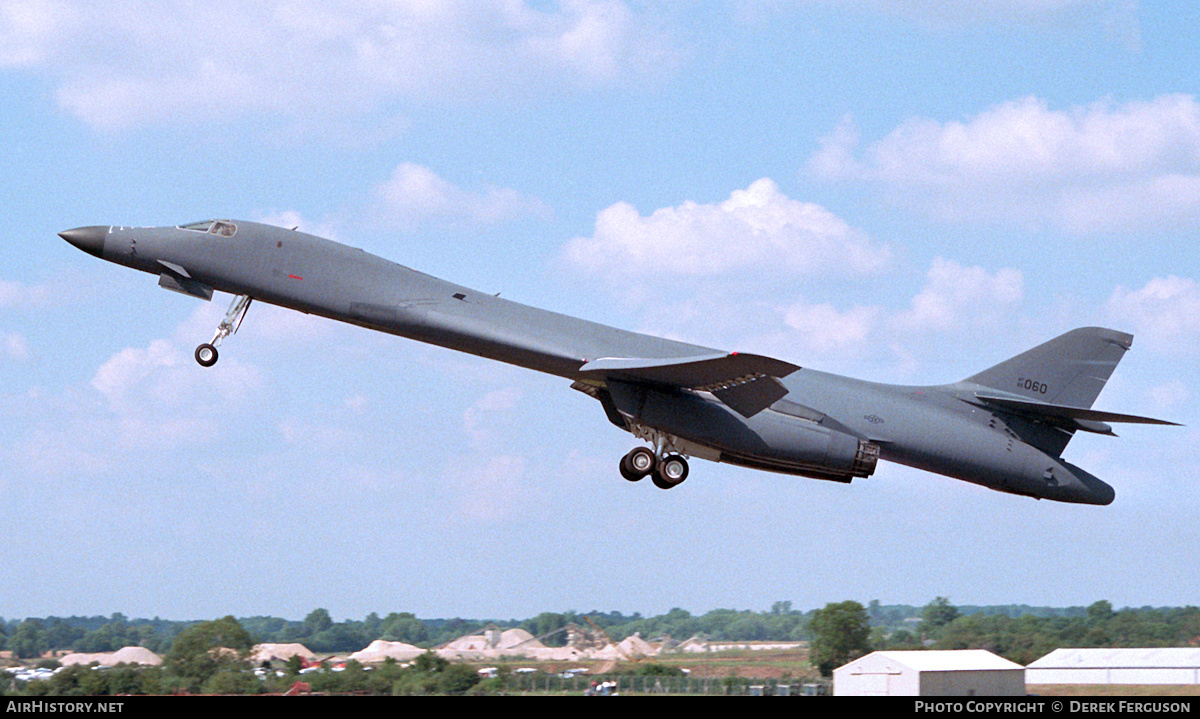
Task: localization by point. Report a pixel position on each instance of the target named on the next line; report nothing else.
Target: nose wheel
(665, 472)
(206, 354)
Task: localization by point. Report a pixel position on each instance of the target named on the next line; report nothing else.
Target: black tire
(206, 355)
(670, 472)
(637, 464)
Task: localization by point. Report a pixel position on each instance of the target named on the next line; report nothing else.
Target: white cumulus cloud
(117, 65)
(415, 194)
(1099, 168)
(1165, 312)
(758, 228)
(823, 329)
(157, 393)
(762, 272)
(20, 295)
(955, 295)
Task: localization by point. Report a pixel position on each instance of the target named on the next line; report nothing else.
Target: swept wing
(747, 383)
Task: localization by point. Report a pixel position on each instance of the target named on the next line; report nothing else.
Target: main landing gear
(665, 470)
(206, 354)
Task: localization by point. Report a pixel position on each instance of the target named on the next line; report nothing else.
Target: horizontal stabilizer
(1084, 415)
(747, 383)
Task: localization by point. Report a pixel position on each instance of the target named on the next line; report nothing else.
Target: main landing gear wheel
(637, 464)
(206, 355)
(670, 472)
(665, 472)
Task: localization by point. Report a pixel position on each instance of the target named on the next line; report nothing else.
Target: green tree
(903, 639)
(1099, 612)
(544, 624)
(936, 616)
(203, 649)
(405, 627)
(232, 680)
(457, 679)
(430, 663)
(318, 620)
(381, 681)
(30, 639)
(841, 633)
(343, 637)
(422, 676)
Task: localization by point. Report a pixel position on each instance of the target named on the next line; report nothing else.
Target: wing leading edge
(747, 383)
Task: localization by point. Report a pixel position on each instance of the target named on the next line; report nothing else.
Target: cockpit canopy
(224, 228)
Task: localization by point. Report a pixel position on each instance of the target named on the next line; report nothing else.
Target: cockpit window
(224, 228)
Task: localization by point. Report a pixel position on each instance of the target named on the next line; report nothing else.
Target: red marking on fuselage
(295, 277)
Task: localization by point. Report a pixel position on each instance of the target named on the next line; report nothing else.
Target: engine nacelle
(769, 440)
(799, 446)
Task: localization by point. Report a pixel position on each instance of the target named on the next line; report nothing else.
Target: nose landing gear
(206, 354)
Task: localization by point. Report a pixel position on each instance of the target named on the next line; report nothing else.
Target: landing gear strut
(206, 354)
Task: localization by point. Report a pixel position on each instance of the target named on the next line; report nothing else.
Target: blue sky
(903, 192)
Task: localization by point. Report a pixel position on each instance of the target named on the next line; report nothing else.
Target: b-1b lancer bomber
(1004, 428)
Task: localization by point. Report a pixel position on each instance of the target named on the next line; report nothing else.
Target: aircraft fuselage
(822, 425)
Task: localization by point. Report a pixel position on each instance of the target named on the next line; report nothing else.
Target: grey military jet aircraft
(1004, 428)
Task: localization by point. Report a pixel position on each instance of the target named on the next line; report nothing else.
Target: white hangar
(1117, 666)
(969, 672)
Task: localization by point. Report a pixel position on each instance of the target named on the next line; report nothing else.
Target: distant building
(1116, 666)
(930, 673)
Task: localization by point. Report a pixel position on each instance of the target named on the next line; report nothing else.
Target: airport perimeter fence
(626, 684)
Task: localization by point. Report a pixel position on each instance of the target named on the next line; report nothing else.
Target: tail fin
(1070, 369)
(1048, 391)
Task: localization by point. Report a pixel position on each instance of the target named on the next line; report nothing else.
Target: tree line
(1020, 633)
(845, 631)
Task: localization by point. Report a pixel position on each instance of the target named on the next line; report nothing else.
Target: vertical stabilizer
(1070, 369)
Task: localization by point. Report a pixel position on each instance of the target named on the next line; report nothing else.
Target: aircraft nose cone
(88, 239)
